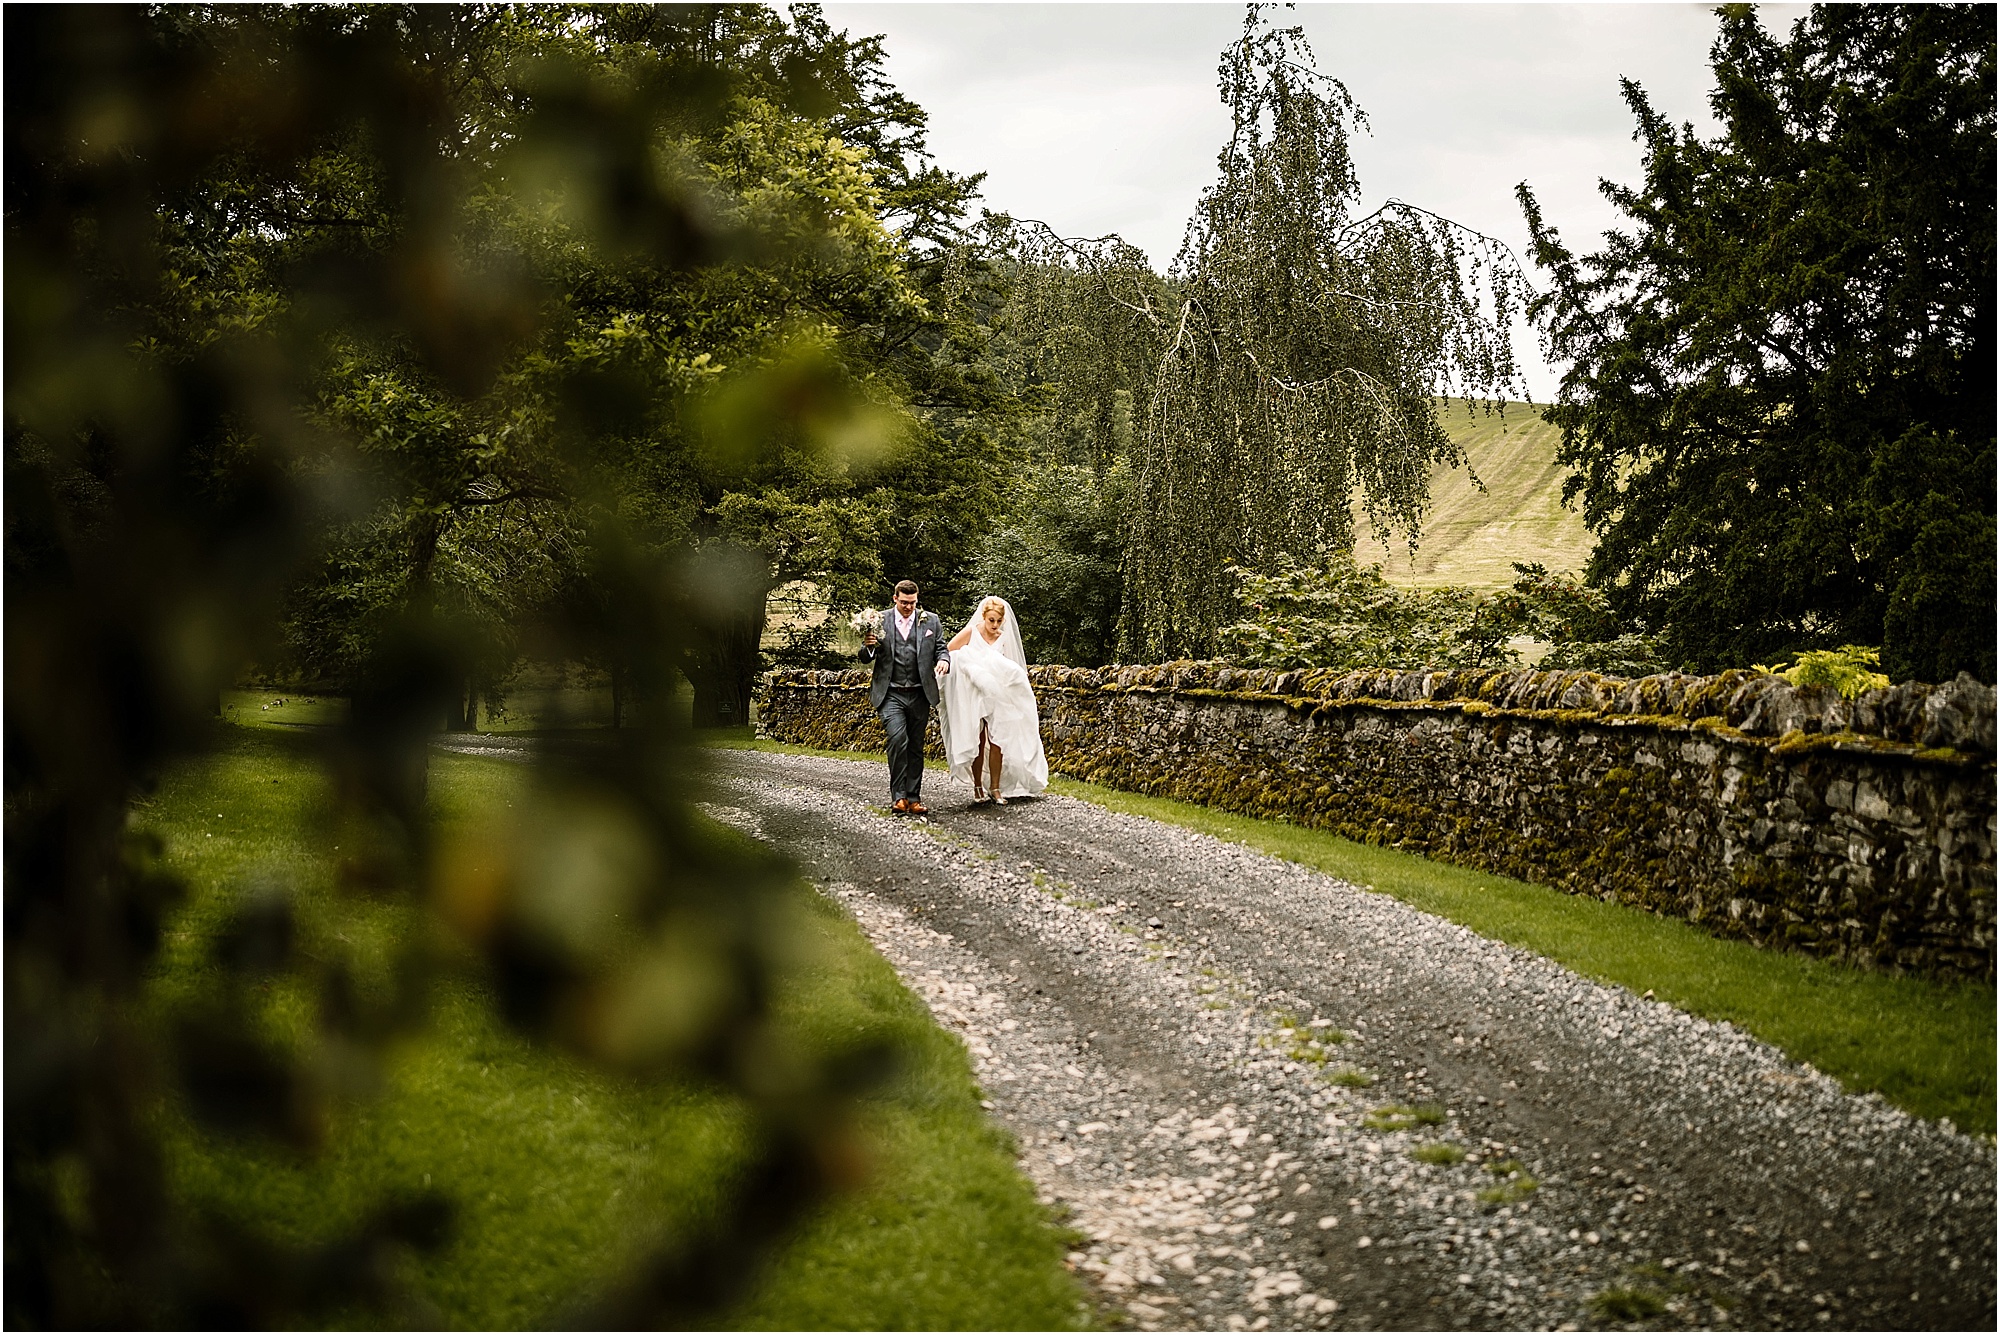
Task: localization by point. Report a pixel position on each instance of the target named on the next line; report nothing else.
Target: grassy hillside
(1473, 537)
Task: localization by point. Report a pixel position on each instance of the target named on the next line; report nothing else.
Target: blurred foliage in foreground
(559, 1169)
(379, 337)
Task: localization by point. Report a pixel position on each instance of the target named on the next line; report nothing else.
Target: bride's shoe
(980, 797)
(1001, 800)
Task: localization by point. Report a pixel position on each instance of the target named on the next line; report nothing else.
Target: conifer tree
(1779, 411)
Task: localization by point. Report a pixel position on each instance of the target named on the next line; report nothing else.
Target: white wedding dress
(989, 683)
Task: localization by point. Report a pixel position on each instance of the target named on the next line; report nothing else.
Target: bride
(992, 727)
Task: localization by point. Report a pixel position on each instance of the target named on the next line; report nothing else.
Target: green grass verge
(556, 1168)
(1926, 1046)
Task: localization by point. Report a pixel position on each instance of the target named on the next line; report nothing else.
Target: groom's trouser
(906, 713)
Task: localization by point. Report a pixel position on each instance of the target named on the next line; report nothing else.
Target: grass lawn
(558, 1169)
(1926, 1046)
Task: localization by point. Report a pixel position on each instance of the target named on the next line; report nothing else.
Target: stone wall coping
(1951, 724)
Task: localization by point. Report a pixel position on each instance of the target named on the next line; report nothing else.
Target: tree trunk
(617, 696)
(399, 707)
(722, 667)
(456, 716)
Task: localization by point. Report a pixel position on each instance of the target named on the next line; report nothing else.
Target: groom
(904, 688)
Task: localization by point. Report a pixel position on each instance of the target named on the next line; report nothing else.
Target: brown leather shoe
(902, 807)
(916, 808)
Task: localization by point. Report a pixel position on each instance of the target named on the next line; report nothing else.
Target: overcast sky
(1100, 118)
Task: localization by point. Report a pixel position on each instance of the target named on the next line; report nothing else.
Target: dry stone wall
(1862, 829)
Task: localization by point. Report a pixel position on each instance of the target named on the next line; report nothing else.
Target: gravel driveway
(1250, 1082)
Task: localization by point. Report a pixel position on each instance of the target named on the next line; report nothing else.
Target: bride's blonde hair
(991, 600)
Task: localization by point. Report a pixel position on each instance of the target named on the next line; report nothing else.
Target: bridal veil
(989, 683)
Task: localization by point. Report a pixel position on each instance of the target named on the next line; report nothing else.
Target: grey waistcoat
(903, 653)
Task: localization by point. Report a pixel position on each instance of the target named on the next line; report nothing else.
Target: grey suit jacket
(929, 636)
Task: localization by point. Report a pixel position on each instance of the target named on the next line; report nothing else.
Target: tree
(1289, 362)
(888, 320)
(1057, 558)
(1779, 410)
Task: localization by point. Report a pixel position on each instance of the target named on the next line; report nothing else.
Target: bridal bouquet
(868, 621)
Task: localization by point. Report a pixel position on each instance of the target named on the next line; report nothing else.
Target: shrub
(1848, 669)
(1339, 614)
(1575, 619)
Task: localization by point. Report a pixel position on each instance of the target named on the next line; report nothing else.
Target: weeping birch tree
(1287, 368)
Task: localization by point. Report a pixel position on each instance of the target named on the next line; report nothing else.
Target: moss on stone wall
(1857, 829)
